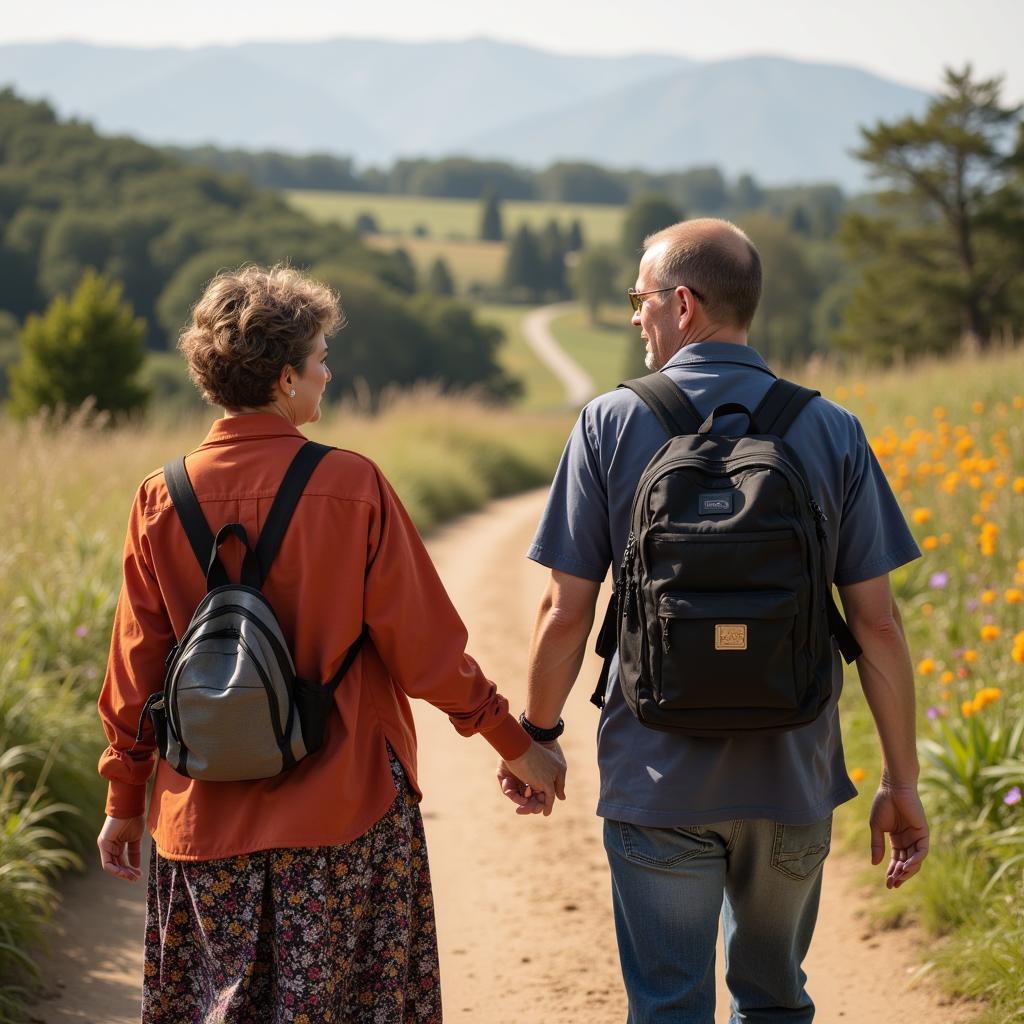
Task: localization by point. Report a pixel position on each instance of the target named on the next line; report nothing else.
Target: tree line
(697, 188)
(75, 206)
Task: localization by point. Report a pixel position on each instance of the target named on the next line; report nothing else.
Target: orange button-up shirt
(350, 556)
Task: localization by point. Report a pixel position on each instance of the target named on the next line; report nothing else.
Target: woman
(305, 896)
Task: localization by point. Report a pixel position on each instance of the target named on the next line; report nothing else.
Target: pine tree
(491, 229)
(439, 278)
(940, 258)
(525, 265)
(88, 347)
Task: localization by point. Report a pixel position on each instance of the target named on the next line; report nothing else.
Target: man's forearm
(556, 652)
(887, 678)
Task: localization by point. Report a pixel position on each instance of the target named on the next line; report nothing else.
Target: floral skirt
(341, 934)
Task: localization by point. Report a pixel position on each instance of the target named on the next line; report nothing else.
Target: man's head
(703, 281)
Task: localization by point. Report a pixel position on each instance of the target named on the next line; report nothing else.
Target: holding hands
(533, 781)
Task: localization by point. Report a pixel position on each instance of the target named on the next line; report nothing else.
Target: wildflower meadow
(950, 439)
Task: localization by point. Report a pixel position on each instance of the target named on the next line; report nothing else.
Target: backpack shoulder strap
(186, 504)
(780, 406)
(346, 664)
(675, 412)
(294, 483)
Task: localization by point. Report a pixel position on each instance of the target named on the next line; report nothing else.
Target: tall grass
(950, 437)
(63, 515)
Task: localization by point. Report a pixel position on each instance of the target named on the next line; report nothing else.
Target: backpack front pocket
(731, 650)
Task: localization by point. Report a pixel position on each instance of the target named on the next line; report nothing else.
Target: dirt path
(578, 384)
(523, 905)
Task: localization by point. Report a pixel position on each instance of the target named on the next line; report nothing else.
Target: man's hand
(898, 811)
(119, 843)
(533, 781)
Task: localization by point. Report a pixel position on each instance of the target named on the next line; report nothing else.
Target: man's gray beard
(649, 361)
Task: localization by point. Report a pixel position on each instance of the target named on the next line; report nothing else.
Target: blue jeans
(668, 888)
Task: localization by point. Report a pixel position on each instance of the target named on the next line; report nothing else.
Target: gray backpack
(232, 707)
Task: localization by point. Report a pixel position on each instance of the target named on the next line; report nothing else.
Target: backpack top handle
(205, 546)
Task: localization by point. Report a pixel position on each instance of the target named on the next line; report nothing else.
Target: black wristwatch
(539, 734)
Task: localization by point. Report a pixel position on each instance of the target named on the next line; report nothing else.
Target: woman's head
(256, 340)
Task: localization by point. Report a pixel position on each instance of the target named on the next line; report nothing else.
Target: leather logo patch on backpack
(731, 637)
(717, 504)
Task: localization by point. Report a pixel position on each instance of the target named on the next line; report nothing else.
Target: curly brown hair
(250, 324)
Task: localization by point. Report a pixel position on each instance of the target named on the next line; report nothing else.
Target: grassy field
(427, 228)
(454, 218)
(473, 264)
(541, 390)
(610, 350)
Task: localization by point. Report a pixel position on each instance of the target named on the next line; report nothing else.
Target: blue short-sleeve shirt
(661, 779)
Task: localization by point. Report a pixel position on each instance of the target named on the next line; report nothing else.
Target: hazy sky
(909, 40)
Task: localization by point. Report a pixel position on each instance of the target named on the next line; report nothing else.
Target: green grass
(471, 263)
(453, 227)
(607, 350)
(455, 218)
(541, 389)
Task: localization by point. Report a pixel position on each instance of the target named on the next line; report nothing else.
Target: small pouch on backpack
(156, 711)
(312, 703)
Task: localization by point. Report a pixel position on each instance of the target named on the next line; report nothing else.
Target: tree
(88, 347)
(553, 250)
(574, 240)
(594, 279)
(747, 194)
(491, 229)
(646, 215)
(783, 326)
(944, 245)
(366, 224)
(439, 278)
(525, 266)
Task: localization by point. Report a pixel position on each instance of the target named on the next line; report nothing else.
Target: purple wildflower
(1013, 797)
(938, 580)
(972, 605)
(933, 713)
(81, 631)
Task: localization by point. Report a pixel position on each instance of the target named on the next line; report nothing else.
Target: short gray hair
(715, 259)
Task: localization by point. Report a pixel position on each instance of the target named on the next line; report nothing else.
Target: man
(692, 822)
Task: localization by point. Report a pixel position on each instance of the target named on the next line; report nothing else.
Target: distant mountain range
(783, 121)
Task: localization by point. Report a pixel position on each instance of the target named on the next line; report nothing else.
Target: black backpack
(232, 707)
(723, 611)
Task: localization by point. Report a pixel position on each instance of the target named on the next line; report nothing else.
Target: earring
(291, 394)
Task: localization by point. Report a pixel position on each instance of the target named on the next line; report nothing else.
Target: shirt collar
(718, 352)
(250, 426)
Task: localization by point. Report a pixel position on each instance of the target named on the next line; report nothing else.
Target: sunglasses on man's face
(636, 299)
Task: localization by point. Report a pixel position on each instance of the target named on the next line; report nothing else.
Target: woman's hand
(534, 780)
(120, 847)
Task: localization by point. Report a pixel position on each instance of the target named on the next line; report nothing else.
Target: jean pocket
(799, 850)
(663, 847)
